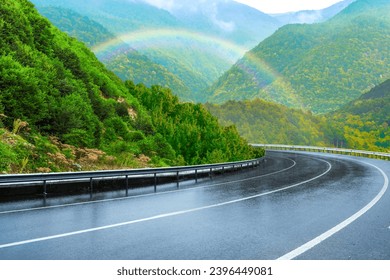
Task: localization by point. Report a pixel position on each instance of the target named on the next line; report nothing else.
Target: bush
(7, 156)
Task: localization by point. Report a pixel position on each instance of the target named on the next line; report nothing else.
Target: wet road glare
(261, 213)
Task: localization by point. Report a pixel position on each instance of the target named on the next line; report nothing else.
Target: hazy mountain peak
(201, 8)
(313, 16)
(189, 5)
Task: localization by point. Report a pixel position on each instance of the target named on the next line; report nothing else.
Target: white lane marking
(145, 195)
(309, 245)
(163, 215)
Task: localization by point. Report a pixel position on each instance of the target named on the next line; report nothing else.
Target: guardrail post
(196, 175)
(155, 182)
(177, 179)
(210, 174)
(90, 187)
(44, 190)
(127, 185)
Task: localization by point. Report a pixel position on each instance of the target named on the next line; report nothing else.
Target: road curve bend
(296, 205)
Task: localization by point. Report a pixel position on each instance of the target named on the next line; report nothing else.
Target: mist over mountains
(228, 19)
(125, 61)
(194, 42)
(313, 16)
(227, 53)
(197, 49)
(317, 67)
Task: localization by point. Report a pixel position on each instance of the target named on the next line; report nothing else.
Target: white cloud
(174, 5)
(212, 10)
(309, 17)
(208, 8)
(162, 4)
(283, 6)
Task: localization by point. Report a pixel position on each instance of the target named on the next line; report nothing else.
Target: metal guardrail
(152, 173)
(352, 152)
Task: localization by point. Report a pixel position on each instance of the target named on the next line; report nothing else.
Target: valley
(185, 84)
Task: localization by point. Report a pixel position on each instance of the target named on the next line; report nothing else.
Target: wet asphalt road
(263, 213)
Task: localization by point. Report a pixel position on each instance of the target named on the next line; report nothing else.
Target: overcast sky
(282, 6)
(267, 6)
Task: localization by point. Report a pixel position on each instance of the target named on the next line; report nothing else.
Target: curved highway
(294, 206)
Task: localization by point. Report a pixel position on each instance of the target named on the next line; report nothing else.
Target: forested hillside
(365, 122)
(124, 61)
(197, 41)
(362, 124)
(157, 35)
(61, 109)
(190, 129)
(317, 67)
(260, 121)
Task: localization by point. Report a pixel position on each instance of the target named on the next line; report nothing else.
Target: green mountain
(197, 41)
(149, 27)
(235, 22)
(361, 124)
(318, 67)
(264, 122)
(61, 109)
(365, 122)
(124, 61)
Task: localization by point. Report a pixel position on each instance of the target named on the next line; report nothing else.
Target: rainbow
(168, 38)
(149, 39)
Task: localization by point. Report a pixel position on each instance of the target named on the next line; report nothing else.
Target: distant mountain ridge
(230, 20)
(198, 49)
(313, 16)
(317, 67)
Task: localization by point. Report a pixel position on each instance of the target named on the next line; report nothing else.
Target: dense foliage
(192, 40)
(190, 129)
(178, 56)
(365, 122)
(261, 121)
(60, 107)
(317, 67)
(361, 124)
(124, 61)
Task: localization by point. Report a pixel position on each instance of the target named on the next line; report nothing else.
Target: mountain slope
(318, 67)
(60, 105)
(361, 124)
(260, 121)
(227, 19)
(196, 44)
(366, 121)
(124, 61)
(156, 34)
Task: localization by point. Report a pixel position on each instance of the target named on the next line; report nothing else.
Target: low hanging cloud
(227, 26)
(162, 4)
(208, 8)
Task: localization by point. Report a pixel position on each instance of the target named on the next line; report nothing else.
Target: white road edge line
(309, 245)
(13, 244)
(144, 195)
